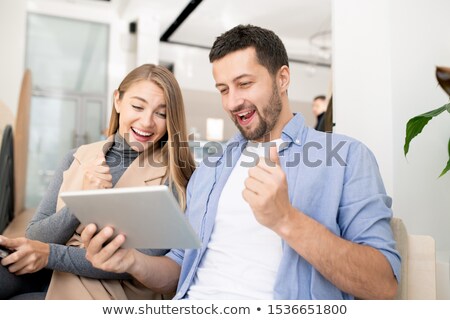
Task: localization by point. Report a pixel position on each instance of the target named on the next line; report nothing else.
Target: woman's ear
(117, 101)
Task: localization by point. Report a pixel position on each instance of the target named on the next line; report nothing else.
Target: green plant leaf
(448, 162)
(415, 125)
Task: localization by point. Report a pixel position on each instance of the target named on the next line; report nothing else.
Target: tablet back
(149, 217)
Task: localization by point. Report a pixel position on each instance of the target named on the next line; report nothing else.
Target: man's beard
(267, 121)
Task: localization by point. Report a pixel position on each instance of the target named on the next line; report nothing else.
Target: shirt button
(297, 141)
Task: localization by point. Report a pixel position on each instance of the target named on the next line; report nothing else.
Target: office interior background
(376, 58)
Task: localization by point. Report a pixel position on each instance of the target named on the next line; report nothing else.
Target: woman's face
(142, 110)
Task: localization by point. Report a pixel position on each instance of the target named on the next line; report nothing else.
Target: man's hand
(109, 257)
(266, 192)
(96, 174)
(29, 256)
(157, 273)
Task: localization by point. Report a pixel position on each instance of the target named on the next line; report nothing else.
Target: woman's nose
(147, 120)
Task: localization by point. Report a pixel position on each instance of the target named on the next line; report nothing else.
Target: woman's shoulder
(68, 159)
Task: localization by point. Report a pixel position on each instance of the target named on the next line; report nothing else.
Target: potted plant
(415, 125)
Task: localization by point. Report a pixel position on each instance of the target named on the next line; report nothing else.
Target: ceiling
(295, 21)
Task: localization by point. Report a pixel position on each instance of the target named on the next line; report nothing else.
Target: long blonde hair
(176, 151)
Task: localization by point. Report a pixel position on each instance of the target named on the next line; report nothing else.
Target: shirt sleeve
(365, 209)
(50, 226)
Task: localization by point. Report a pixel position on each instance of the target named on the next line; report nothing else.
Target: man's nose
(234, 100)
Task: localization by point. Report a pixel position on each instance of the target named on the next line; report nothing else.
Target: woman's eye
(137, 107)
(161, 115)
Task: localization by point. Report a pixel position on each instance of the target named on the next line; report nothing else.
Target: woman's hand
(109, 257)
(29, 256)
(96, 174)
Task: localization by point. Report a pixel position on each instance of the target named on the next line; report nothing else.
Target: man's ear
(117, 101)
(284, 78)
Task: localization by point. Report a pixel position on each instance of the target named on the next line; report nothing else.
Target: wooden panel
(22, 129)
(19, 224)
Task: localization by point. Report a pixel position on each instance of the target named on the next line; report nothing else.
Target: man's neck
(285, 116)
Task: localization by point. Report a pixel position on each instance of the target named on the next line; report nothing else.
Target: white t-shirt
(243, 256)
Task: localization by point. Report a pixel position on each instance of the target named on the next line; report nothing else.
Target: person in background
(319, 107)
(313, 222)
(147, 145)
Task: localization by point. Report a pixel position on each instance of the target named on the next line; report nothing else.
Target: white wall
(125, 53)
(192, 68)
(419, 34)
(362, 88)
(385, 53)
(12, 53)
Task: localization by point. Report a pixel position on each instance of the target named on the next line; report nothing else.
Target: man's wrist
(134, 268)
(287, 224)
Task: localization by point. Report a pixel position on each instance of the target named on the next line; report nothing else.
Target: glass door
(52, 132)
(94, 130)
(58, 123)
(68, 62)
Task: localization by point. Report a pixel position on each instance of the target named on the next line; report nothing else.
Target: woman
(147, 145)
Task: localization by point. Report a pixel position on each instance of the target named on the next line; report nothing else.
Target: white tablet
(149, 217)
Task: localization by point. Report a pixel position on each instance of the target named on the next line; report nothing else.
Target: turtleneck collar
(120, 154)
(120, 144)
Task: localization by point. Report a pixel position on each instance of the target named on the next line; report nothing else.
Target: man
(319, 107)
(313, 223)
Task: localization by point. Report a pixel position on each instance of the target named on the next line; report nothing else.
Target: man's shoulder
(315, 135)
(334, 150)
(329, 139)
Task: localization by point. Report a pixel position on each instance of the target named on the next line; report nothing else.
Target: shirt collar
(292, 132)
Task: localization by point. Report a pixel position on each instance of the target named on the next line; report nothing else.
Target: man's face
(249, 94)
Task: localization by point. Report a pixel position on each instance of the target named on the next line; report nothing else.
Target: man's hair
(321, 97)
(270, 50)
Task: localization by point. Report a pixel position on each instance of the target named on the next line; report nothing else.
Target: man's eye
(245, 84)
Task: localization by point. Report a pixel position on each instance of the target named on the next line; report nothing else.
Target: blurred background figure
(319, 106)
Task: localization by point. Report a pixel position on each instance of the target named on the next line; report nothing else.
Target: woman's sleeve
(50, 226)
(73, 260)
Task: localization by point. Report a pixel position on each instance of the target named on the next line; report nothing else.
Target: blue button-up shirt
(332, 178)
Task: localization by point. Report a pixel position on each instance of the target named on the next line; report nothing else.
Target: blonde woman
(147, 145)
